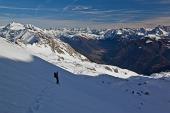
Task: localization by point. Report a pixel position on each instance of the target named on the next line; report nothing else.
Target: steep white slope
(75, 65)
(28, 86)
(19, 55)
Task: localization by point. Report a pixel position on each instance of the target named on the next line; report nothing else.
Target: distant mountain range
(143, 50)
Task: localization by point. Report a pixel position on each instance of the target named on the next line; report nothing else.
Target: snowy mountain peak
(15, 26)
(32, 27)
(77, 44)
(160, 31)
(47, 45)
(18, 26)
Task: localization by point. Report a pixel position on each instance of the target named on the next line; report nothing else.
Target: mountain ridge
(126, 47)
(57, 52)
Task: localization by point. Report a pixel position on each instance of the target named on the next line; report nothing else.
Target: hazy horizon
(89, 13)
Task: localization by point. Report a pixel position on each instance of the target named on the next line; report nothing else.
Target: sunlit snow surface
(27, 86)
(75, 65)
(13, 52)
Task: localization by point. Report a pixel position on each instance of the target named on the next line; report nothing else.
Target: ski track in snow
(39, 99)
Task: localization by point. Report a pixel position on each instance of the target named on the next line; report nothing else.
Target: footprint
(30, 110)
(36, 107)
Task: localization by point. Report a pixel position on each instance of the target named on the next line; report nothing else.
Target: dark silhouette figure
(56, 77)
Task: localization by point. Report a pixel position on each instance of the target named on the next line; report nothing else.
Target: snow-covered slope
(73, 49)
(76, 66)
(27, 86)
(19, 55)
(29, 34)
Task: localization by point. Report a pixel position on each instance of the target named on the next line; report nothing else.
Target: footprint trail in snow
(35, 107)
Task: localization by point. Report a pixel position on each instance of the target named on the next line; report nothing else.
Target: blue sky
(84, 11)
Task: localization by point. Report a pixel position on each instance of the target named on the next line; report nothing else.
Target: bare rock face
(142, 57)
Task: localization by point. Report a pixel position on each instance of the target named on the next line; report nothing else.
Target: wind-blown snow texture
(27, 86)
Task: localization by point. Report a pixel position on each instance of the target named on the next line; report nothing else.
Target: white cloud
(155, 1)
(29, 9)
(70, 5)
(80, 8)
(77, 8)
(165, 1)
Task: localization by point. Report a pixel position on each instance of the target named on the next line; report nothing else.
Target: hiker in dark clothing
(56, 77)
